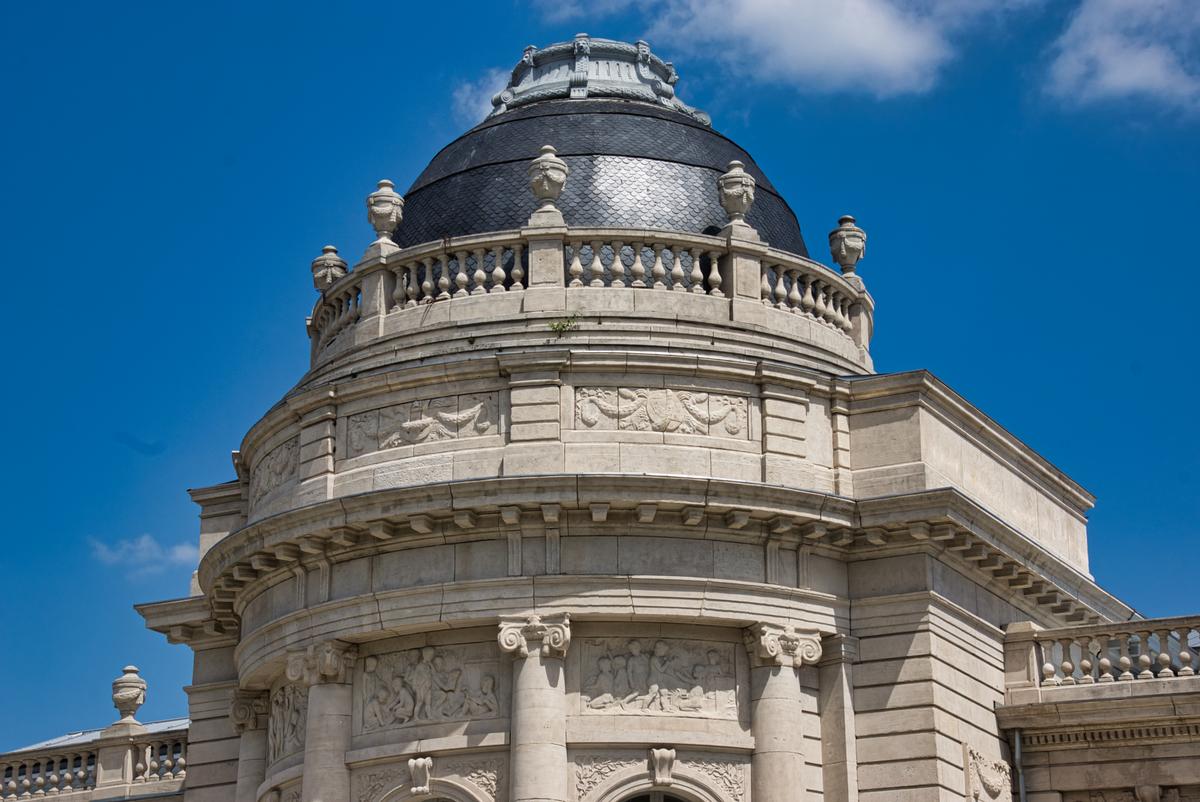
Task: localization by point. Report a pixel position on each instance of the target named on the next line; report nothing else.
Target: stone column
(839, 751)
(248, 714)
(327, 670)
(776, 712)
(538, 734)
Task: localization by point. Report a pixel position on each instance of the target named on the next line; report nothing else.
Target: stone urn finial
(736, 191)
(847, 244)
(128, 694)
(327, 268)
(547, 177)
(385, 210)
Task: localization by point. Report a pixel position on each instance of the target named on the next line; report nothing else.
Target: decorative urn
(847, 244)
(385, 210)
(737, 191)
(547, 176)
(327, 268)
(128, 694)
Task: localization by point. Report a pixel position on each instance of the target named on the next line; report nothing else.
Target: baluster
(657, 271)
(8, 781)
(26, 782)
(1048, 669)
(460, 275)
(1068, 667)
(1185, 653)
(67, 784)
(806, 300)
(596, 268)
(697, 276)
(1164, 655)
(780, 287)
(677, 270)
(412, 282)
(1105, 664)
(181, 761)
(576, 268)
(518, 272)
(1144, 659)
(52, 778)
(827, 291)
(39, 781)
(89, 770)
(793, 297)
(497, 269)
(835, 301)
(400, 287)
(618, 265)
(139, 764)
(764, 285)
(1124, 662)
(1085, 661)
(818, 299)
(479, 277)
(638, 267)
(443, 282)
(714, 274)
(847, 324)
(155, 770)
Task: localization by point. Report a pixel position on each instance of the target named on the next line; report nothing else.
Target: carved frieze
(430, 684)
(987, 780)
(642, 409)
(287, 724)
(659, 677)
(448, 418)
(484, 772)
(274, 470)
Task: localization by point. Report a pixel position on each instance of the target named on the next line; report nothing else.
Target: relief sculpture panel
(661, 677)
(643, 409)
(431, 684)
(287, 724)
(277, 468)
(449, 418)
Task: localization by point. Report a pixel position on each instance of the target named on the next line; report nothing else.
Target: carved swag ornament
(656, 410)
(987, 780)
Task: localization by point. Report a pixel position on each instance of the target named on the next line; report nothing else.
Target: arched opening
(654, 796)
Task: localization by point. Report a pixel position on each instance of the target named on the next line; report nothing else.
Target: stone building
(592, 493)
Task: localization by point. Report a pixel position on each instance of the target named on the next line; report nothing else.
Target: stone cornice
(941, 522)
(189, 621)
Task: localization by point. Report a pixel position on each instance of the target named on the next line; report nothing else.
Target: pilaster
(248, 715)
(839, 753)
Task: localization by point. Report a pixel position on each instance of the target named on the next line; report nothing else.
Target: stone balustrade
(1136, 650)
(405, 281)
(1098, 654)
(151, 761)
(49, 774)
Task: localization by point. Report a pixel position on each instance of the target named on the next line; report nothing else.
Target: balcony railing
(1099, 654)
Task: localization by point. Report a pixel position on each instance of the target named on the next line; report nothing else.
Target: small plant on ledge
(564, 324)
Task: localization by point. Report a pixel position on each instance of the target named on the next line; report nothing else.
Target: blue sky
(1026, 171)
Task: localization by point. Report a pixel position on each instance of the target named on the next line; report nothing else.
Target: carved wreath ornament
(987, 780)
(643, 409)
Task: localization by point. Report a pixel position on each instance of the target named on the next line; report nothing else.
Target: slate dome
(639, 158)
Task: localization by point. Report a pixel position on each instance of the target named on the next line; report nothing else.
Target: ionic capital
(781, 645)
(248, 710)
(331, 661)
(550, 634)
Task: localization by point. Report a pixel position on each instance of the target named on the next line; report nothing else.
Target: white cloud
(1124, 49)
(473, 99)
(563, 10)
(143, 555)
(881, 47)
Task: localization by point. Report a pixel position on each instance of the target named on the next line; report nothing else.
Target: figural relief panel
(450, 418)
(287, 724)
(275, 469)
(641, 409)
(431, 684)
(661, 677)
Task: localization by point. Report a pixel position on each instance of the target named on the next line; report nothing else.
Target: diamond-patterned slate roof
(632, 164)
